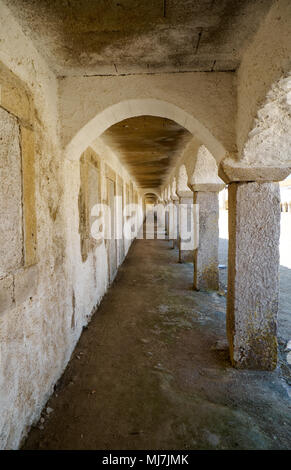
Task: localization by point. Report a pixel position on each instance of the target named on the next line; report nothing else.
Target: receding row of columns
(253, 263)
(205, 255)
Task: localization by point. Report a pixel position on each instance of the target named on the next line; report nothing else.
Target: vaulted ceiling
(139, 36)
(148, 146)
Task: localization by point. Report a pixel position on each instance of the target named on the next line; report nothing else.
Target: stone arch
(147, 191)
(150, 197)
(150, 193)
(139, 107)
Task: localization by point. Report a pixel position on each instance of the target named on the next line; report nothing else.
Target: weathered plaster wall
(89, 278)
(47, 301)
(35, 340)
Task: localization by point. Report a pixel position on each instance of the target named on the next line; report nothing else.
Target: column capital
(207, 187)
(185, 194)
(232, 171)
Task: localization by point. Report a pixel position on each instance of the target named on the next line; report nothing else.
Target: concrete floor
(152, 370)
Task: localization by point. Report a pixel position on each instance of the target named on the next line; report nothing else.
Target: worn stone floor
(152, 369)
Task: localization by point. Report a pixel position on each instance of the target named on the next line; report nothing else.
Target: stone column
(206, 205)
(253, 284)
(206, 184)
(176, 221)
(170, 220)
(166, 221)
(185, 199)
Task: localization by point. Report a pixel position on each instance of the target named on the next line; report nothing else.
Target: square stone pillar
(185, 215)
(166, 221)
(253, 279)
(206, 274)
(176, 223)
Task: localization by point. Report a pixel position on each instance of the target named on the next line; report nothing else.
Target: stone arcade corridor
(152, 370)
(112, 111)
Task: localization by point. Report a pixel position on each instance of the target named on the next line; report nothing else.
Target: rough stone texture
(206, 254)
(11, 224)
(253, 282)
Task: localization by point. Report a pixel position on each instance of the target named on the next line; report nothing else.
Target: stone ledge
(231, 173)
(207, 187)
(185, 194)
